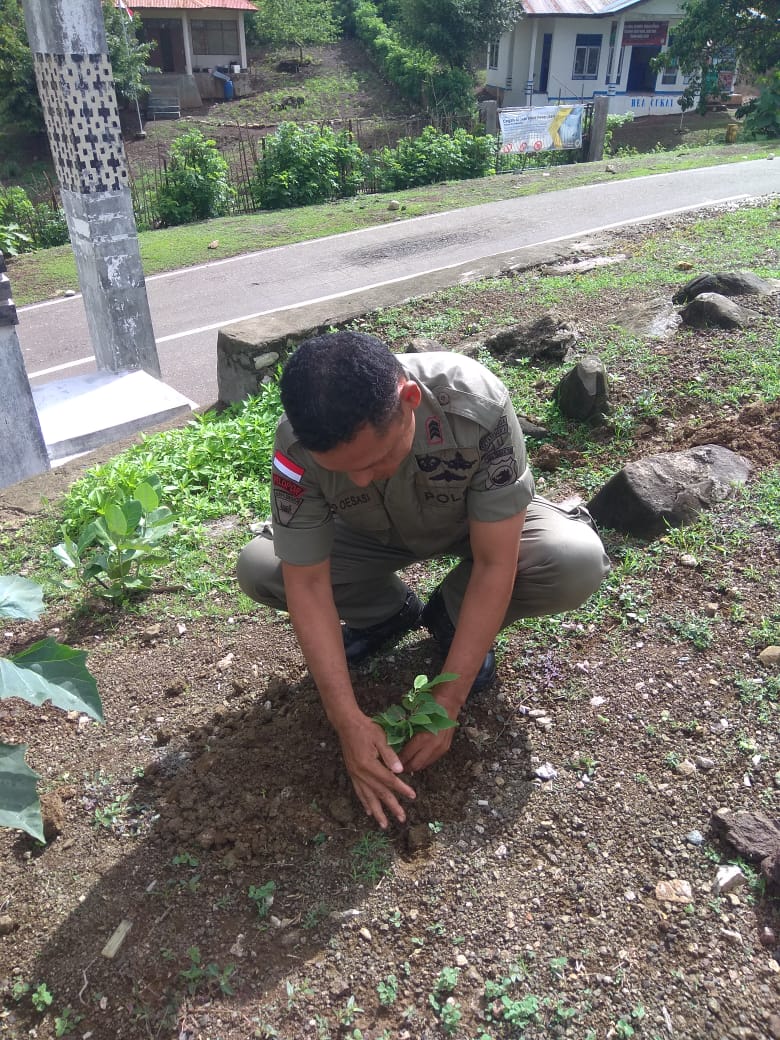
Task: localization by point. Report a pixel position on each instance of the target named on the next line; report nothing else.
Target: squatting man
(380, 462)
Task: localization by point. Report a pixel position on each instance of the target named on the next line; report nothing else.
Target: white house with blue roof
(575, 50)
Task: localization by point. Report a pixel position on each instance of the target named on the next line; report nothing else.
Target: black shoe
(436, 619)
(360, 643)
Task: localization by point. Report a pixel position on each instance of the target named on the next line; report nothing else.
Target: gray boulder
(583, 393)
(668, 490)
(548, 339)
(711, 309)
(730, 283)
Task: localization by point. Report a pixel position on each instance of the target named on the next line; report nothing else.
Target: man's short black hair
(337, 383)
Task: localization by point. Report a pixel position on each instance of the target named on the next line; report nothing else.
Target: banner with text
(545, 129)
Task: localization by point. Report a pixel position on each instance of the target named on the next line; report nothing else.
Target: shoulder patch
(287, 467)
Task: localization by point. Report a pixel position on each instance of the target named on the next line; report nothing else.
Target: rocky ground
(555, 877)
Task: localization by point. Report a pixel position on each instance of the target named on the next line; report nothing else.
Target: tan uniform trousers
(561, 563)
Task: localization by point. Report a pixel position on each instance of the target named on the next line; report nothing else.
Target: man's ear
(409, 393)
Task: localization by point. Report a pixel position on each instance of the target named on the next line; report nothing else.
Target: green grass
(48, 273)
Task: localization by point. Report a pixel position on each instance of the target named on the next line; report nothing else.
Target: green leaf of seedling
(147, 496)
(50, 671)
(20, 598)
(419, 719)
(19, 805)
(420, 681)
(115, 520)
(444, 677)
(133, 511)
(67, 553)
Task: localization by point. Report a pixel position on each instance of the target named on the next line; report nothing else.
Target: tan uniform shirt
(468, 462)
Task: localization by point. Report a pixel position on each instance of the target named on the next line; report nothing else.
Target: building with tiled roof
(575, 50)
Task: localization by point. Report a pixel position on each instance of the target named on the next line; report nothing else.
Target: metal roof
(576, 7)
(190, 5)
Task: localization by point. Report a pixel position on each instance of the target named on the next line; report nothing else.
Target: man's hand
(425, 748)
(373, 767)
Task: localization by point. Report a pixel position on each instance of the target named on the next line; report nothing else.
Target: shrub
(303, 165)
(762, 114)
(196, 182)
(416, 72)
(435, 156)
(46, 671)
(40, 225)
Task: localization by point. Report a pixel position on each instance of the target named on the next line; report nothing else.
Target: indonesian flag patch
(287, 467)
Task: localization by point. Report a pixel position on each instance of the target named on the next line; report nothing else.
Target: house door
(167, 39)
(641, 78)
(544, 69)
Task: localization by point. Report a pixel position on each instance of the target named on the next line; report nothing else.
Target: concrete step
(84, 412)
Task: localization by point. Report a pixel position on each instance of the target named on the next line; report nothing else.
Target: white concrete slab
(82, 413)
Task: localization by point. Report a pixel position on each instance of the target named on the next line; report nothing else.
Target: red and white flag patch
(287, 467)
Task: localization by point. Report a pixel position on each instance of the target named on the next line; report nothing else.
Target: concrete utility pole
(76, 86)
(22, 451)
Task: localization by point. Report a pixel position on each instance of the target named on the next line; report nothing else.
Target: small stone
(214, 244)
(365, 934)
(727, 878)
(732, 936)
(687, 560)
(266, 360)
(674, 891)
(705, 764)
(710, 609)
(7, 924)
(69, 293)
(694, 838)
(773, 1025)
(684, 265)
(770, 656)
(393, 205)
(546, 771)
(768, 936)
(686, 768)
(181, 628)
(461, 961)
(225, 663)
(339, 987)
(152, 631)
(501, 852)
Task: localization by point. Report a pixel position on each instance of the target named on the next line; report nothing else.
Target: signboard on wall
(645, 34)
(545, 129)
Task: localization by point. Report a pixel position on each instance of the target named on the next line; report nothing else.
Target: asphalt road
(189, 306)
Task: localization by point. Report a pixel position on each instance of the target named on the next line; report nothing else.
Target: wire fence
(245, 155)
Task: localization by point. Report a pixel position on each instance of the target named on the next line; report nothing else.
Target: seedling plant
(116, 552)
(418, 712)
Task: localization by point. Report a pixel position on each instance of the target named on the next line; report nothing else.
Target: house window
(493, 54)
(669, 77)
(217, 37)
(586, 56)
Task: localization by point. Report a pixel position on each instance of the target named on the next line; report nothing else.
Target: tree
(457, 30)
(294, 21)
(20, 106)
(128, 55)
(722, 34)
